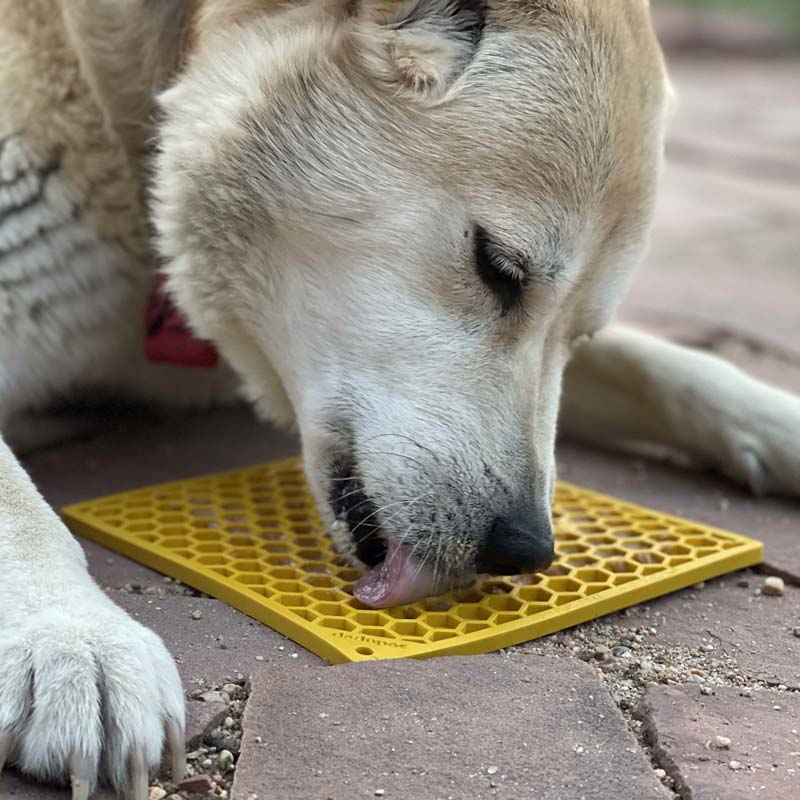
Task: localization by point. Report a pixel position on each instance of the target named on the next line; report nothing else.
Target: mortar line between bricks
(641, 740)
(648, 738)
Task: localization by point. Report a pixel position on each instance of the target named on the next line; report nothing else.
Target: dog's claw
(176, 741)
(80, 771)
(5, 747)
(138, 777)
(755, 473)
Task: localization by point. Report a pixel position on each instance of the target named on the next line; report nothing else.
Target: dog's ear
(419, 47)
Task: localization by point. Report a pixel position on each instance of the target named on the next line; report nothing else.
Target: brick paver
(762, 759)
(217, 647)
(446, 729)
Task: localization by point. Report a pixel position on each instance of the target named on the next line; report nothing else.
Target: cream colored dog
(396, 221)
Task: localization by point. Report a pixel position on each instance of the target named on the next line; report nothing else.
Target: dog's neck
(191, 24)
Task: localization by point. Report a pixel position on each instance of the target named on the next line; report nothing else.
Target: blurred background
(743, 25)
(723, 272)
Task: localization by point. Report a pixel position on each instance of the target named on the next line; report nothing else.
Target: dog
(405, 226)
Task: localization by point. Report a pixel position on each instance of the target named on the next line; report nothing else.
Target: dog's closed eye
(501, 272)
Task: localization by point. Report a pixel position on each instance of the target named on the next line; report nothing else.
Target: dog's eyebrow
(543, 266)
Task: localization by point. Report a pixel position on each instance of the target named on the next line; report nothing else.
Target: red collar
(167, 338)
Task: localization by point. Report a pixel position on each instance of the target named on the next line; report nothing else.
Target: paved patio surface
(629, 706)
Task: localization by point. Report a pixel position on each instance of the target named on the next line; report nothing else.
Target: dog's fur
(396, 220)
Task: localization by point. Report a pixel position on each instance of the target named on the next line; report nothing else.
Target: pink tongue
(396, 581)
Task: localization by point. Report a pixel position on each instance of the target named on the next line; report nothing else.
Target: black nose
(518, 542)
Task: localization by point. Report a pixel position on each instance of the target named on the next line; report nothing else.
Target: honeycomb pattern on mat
(252, 537)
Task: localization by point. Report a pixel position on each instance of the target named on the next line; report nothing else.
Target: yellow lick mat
(252, 538)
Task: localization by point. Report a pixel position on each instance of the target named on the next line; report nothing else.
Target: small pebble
(212, 697)
(721, 743)
(225, 760)
(380, 792)
(491, 770)
(197, 614)
(734, 765)
(621, 650)
(743, 583)
(233, 689)
(602, 653)
(156, 793)
(228, 722)
(217, 742)
(706, 690)
(796, 632)
(660, 774)
(197, 783)
(259, 658)
(773, 586)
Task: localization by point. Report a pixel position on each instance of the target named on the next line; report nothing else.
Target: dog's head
(396, 220)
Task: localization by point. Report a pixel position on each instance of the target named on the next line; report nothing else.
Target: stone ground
(694, 695)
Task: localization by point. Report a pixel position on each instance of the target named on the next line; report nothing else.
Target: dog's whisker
(378, 511)
(345, 496)
(403, 503)
(406, 503)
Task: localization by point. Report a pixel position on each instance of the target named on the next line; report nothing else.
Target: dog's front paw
(761, 440)
(85, 692)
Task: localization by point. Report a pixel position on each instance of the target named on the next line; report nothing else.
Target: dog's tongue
(395, 582)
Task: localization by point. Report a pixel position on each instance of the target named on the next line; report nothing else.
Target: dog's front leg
(81, 683)
(626, 387)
